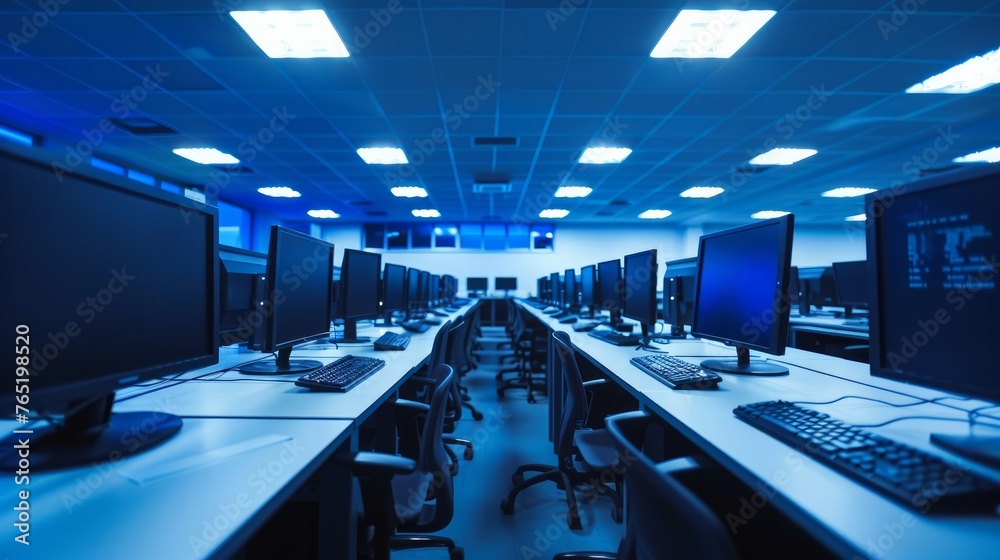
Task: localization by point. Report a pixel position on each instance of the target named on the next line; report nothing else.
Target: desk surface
(848, 517)
(829, 322)
(200, 493)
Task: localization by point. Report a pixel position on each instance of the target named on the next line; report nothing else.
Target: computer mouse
(568, 320)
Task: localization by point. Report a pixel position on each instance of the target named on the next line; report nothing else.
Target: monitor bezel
(600, 287)
(650, 319)
(837, 275)
(385, 287)
(497, 287)
(345, 285)
(593, 304)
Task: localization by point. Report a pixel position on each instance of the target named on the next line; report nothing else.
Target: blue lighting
(17, 136)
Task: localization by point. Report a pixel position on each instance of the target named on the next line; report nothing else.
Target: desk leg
(554, 383)
(338, 522)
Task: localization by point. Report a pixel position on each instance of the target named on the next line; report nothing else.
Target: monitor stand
(350, 335)
(982, 449)
(676, 332)
(282, 365)
(743, 366)
(90, 435)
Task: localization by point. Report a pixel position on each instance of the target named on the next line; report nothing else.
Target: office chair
(460, 359)
(529, 355)
(584, 455)
(455, 358)
(411, 495)
(665, 519)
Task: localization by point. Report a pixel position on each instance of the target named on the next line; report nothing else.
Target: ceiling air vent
(235, 169)
(494, 141)
(142, 126)
(491, 184)
(376, 213)
(620, 203)
(361, 203)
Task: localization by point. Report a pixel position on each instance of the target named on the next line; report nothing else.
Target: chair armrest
(410, 407)
(586, 556)
(369, 464)
(421, 380)
(594, 382)
(681, 465)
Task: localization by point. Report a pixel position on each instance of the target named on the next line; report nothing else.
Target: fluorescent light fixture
(991, 155)
(573, 192)
(409, 192)
(426, 213)
(553, 213)
(382, 156)
(16, 136)
(972, 75)
(848, 192)
(856, 218)
(548, 235)
(768, 214)
(292, 33)
(206, 156)
(600, 155)
(655, 214)
(323, 214)
(702, 192)
(279, 192)
(783, 156)
(709, 33)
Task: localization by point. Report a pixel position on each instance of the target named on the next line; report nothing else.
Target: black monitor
(679, 281)
(477, 284)
(934, 302)
(570, 293)
(412, 288)
(106, 283)
(609, 279)
(588, 289)
(435, 295)
(556, 289)
(828, 288)
(852, 285)
(639, 298)
(793, 285)
(359, 295)
(505, 283)
(241, 285)
(449, 287)
(393, 290)
(810, 289)
(296, 307)
(424, 296)
(543, 289)
(742, 293)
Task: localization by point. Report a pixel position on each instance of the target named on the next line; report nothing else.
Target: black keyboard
(616, 338)
(341, 375)
(915, 478)
(676, 373)
(392, 341)
(415, 325)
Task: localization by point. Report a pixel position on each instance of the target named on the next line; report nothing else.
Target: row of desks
(247, 445)
(848, 518)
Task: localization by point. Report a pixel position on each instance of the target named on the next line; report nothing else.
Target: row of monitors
(475, 284)
(114, 283)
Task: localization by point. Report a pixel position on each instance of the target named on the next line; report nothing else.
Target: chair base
(564, 481)
(411, 542)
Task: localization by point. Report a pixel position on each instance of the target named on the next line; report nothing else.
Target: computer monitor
(450, 287)
(570, 293)
(477, 285)
(424, 296)
(679, 281)
(241, 285)
(934, 302)
(588, 289)
(106, 283)
(412, 290)
(852, 285)
(296, 307)
(810, 289)
(793, 285)
(639, 298)
(556, 286)
(393, 290)
(543, 289)
(609, 279)
(741, 293)
(359, 278)
(505, 283)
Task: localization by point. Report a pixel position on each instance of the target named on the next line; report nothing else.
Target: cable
(198, 377)
(894, 420)
(919, 401)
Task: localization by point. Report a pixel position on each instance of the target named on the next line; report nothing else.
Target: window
(107, 166)
(518, 236)
(171, 187)
(542, 237)
(234, 225)
(420, 236)
(397, 236)
(472, 236)
(494, 237)
(374, 236)
(446, 236)
(429, 236)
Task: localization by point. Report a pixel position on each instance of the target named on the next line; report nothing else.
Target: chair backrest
(455, 358)
(471, 328)
(434, 461)
(574, 410)
(664, 518)
(439, 348)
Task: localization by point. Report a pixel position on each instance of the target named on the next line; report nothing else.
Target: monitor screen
(300, 285)
(588, 287)
(679, 281)
(556, 286)
(852, 282)
(477, 284)
(412, 288)
(569, 288)
(424, 296)
(810, 284)
(359, 275)
(435, 288)
(105, 283)
(505, 283)
(394, 287)
(609, 277)
(639, 301)
(932, 264)
(741, 291)
(241, 279)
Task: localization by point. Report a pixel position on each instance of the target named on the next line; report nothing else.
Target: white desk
(850, 519)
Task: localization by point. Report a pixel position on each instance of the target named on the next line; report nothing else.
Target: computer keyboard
(416, 325)
(341, 375)
(392, 341)
(917, 479)
(616, 338)
(676, 373)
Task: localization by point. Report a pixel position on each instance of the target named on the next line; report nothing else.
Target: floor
(512, 433)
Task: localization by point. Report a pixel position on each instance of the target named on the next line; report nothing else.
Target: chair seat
(597, 448)
(408, 492)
